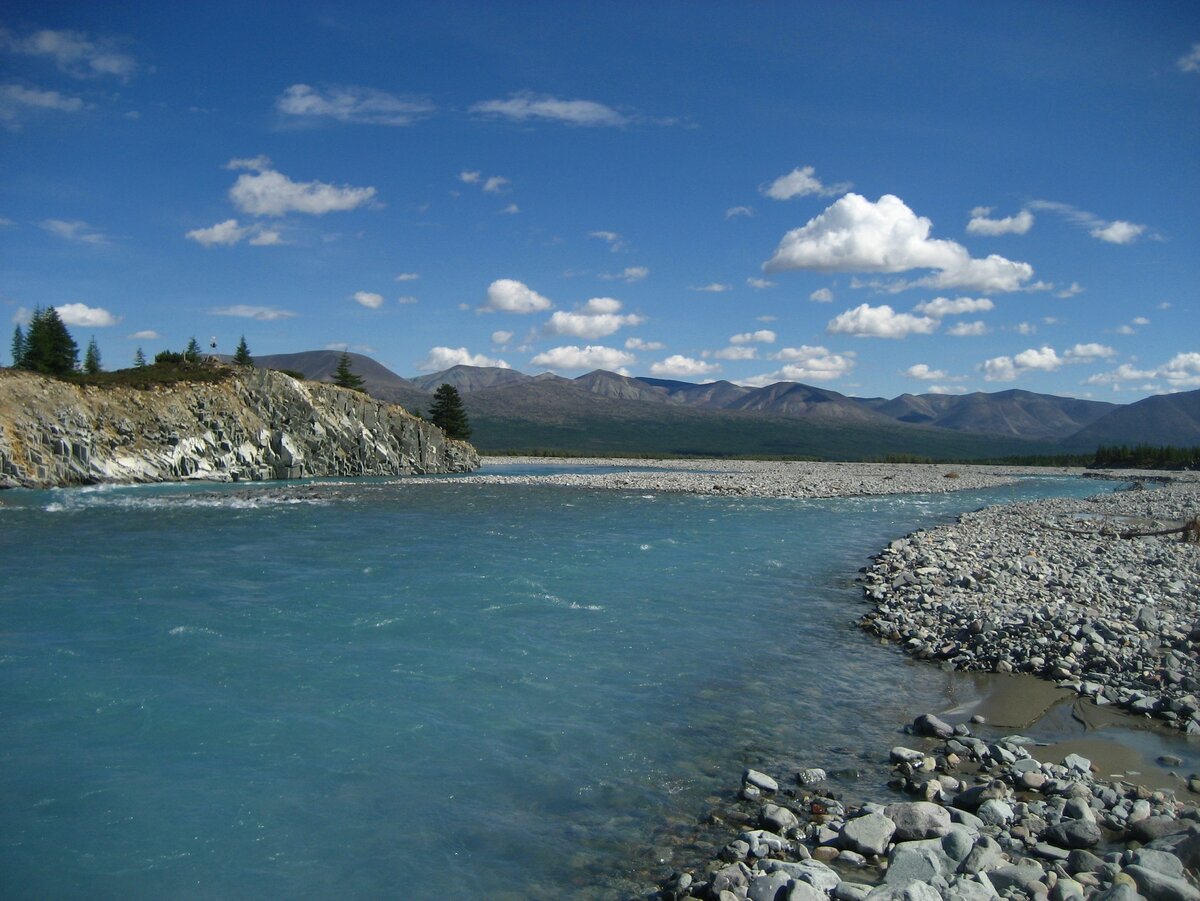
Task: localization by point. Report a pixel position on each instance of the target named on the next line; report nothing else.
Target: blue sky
(876, 198)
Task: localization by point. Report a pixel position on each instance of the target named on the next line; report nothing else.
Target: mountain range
(605, 412)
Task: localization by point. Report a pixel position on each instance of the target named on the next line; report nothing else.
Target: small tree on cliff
(241, 356)
(344, 376)
(18, 347)
(91, 359)
(49, 347)
(191, 353)
(447, 413)
(139, 359)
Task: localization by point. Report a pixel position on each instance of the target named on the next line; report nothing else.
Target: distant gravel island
(760, 478)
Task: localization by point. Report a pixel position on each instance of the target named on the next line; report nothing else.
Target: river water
(414, 689)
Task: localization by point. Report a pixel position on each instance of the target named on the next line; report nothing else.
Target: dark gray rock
(930, 725)
(1074, 834)
(1083, 861)
(1160, 887)
(1024, 876)
(868, 834)
(918, 820)
(778, 819)
(769, 886)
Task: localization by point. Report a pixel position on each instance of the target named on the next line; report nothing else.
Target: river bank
(1046, 588)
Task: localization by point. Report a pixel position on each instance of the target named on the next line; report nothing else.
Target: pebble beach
(1058, 590)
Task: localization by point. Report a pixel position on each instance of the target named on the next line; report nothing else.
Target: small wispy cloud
(351, 105)
(74, 230)
(529, 107)
(262, 314)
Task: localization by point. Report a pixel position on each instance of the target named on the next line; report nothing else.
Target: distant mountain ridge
(605, 411)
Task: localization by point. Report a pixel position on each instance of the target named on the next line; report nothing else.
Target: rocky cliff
(249, 425)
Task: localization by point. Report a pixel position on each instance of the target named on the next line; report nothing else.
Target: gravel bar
(754, 478)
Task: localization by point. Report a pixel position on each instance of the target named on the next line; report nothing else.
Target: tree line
(47, 347)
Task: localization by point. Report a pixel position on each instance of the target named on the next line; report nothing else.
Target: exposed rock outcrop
(249, 426)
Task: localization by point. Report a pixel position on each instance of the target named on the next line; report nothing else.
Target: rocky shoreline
(1047, 588)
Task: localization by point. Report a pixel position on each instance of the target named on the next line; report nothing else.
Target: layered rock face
(252, 425)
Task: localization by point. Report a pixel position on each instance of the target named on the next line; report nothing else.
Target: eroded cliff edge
(248, 426)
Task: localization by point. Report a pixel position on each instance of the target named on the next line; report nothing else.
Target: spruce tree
(191, 353)
(18, 347)
(447, 413)
(241, 356)
(91, 359)
(139, 359)
(344, 377)
(49, 347)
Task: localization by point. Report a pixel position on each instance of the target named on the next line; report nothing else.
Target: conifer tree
(344, 377)
(447, 413)
(18, 347)
(49, 347)
(241, 356)
(91, 359)
(191, 353)
(139, 359)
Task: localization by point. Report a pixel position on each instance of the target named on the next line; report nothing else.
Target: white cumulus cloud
(408, 276)
(801, 182)
(89, 317)
(967, 329)
(1006, 368)
(501, 338)
(735, 211)
(944, 306)
(223, 234)
(506, 295)
(678, 365)
(821, 295)
(856, 235)
(597, 318)
(865, 321)
(440, 358)
(526, 106)
(805, 364)
(760, 283)
(762, 336)
(982, 224)
(144, 335)
(270, 193)
(737, 352)
(924, 372)
(1181, 373)
(368, 299)
(1087, 353)
(1118, 232)
(349, 104)
(572, 358)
